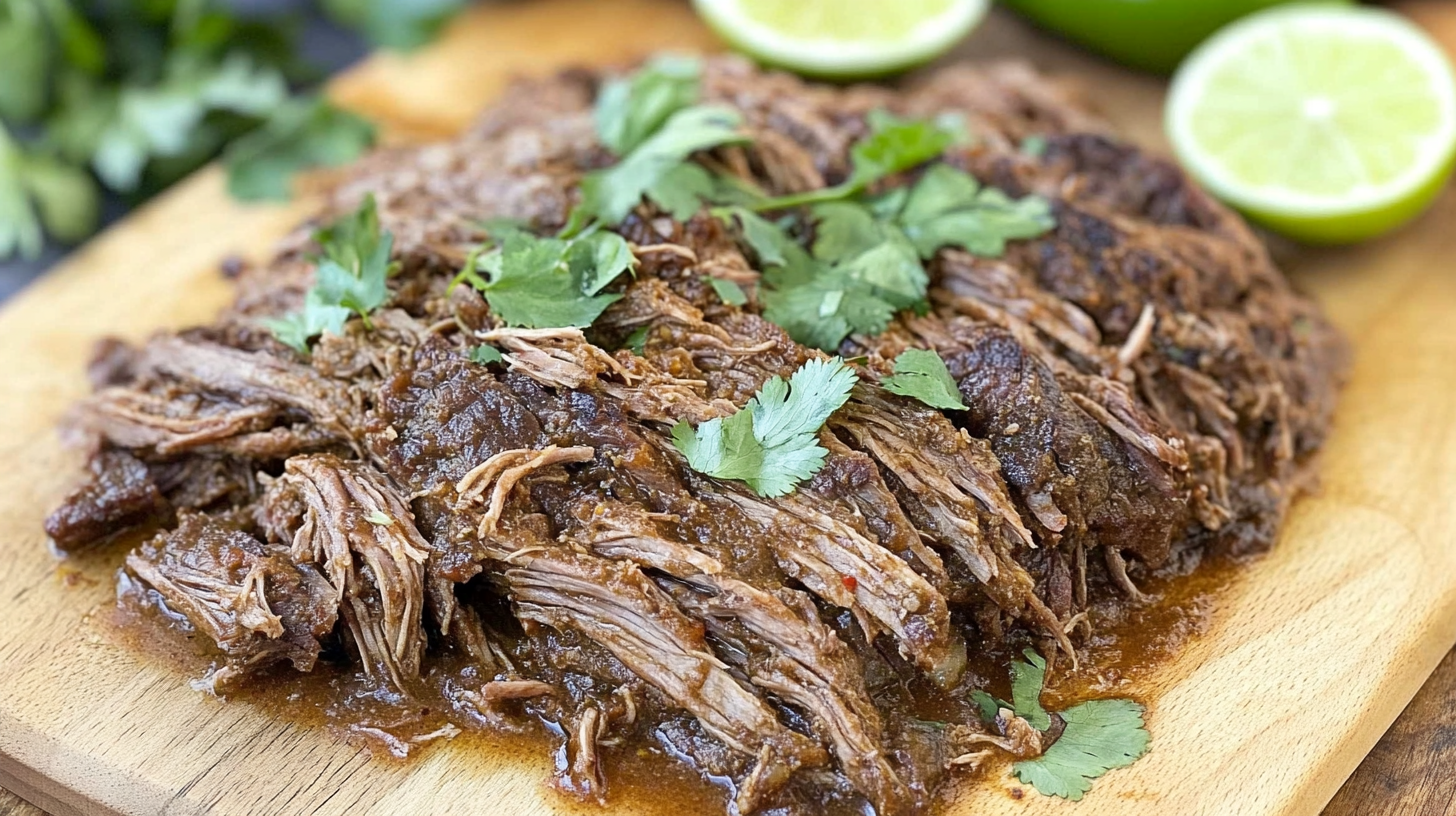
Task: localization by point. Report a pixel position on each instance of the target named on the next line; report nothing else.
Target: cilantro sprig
(652, 122)
(1097, 736)
(130, 96)
(921, 374)
(893, 145)
(771, 444)
(349, 279)
(542, 283)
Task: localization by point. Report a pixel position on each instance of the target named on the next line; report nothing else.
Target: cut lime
(1327, 124)
(842, 39)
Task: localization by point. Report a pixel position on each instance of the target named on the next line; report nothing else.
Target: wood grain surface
(1313, 653)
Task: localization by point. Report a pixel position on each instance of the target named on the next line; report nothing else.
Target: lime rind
(1289, 191)
(832, 56)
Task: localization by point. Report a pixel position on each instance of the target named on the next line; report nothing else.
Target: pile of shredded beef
(522, 543)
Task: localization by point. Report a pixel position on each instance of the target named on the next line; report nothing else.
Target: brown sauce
(1129, 645)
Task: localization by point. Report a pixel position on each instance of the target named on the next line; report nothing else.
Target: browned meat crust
(501, 547)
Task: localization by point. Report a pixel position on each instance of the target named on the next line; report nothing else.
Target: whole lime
(1153, 35)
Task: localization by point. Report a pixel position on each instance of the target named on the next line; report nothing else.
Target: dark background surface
(321, 43)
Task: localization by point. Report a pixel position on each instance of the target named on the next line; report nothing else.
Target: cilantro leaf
(921, 374)
(1026, 682)
(947, 207)
(26, 44)
(636, 342)
(1034, 146)
(771, 444)
(629, 110)
(987, 706)
(318, 316)
(610, 194)
(819, 305)
(1100, 735)
(893, 145)
(727, 291)
(681, 191)
(544, 283)
(765, 238)
(300, 134)
(399, 24)
(350, 278)
(598, 259)
(41, 191)
(485, 354)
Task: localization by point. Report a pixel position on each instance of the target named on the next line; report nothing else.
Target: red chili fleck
(850, 583)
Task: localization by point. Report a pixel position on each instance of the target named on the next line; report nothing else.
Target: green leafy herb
(893, 145)
(987, 706)
(921, 374)
(350, 278)
(1026, 684)
(609, 194)
(859, 275)
(636, 342)
(629, 110)
(170, 85)
(727, 291)
(379, 519)
(1100, 735)
(38, 191)
(300, 134)
(549, 282)
(771, 444)
(949, 208)
(401, 24)
(1034, 146)
(485, 354)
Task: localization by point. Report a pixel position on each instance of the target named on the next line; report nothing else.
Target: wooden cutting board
(1311, 656)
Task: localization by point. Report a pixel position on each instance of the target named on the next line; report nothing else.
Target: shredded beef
(488, 546)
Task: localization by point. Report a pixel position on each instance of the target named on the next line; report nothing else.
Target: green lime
(1153, 35)
(842, 39)
(1328, 124)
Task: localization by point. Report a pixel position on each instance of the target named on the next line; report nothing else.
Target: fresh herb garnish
(948, 207)
(350, 278)
(893, 145)
(921, 374)
(39, 192)
(485, 354)
(727, 291)
(398, 24)
(378, 518)
(636, 342)
(609, 194)
(1099, 735)
(299, 134)
(629, 110)
(544, 283)
(132, 96)
(772, 443)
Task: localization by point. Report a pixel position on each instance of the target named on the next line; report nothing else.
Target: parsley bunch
(1099, 735)
(772, 443)
(131, 96)
(350, 279)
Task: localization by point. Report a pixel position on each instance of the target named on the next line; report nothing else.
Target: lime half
(842, 39)
(1328, 124)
